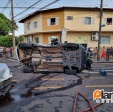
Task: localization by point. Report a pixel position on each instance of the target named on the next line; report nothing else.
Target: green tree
(21, 38)
(5, 25)
(7, 41)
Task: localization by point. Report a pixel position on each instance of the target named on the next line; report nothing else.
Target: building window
(88, 20)
(28, 27)
(105, 40)
(52, 21)
(69, 17)
(36, 40)
(109, 21)
(29, 39)
(35, 24)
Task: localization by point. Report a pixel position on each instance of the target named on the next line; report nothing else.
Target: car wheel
(27, 70)
(70, 72)
(23, 45)
(79, 70)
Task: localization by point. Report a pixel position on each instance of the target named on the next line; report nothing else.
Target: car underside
(68, 57)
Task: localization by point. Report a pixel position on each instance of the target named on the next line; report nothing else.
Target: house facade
(82, 26)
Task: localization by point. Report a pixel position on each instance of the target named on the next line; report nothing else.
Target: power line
(42, 8)
(20, 7)
(6, 6)
(21, 29)
(28, 8)
(26, 3)
(38, 7)
(49, 4)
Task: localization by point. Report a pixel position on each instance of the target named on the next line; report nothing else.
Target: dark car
(69, 58)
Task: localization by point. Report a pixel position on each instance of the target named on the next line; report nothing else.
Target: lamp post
(13, 29)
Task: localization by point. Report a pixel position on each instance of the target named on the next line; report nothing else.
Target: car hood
(4, 72)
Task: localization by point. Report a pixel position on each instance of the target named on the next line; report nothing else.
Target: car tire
(70, 72)
(79, 70)
(23, 45)
(27, 70)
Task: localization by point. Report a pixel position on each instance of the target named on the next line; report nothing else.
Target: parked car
(69, 58)
(5, 79)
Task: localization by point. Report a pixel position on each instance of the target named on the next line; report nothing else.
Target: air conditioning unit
(94, 36)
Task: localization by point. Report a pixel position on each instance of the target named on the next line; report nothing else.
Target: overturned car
(5, 79)
(69, 58)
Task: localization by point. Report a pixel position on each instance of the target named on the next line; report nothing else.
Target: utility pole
(100, 27)
(13, 29)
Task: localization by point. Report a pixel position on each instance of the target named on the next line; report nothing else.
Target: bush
(7, 41)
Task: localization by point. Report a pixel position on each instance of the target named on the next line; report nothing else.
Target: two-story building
(82, 24)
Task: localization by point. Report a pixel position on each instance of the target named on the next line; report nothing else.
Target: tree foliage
(7, 41)
(21, 38)
(5, 25)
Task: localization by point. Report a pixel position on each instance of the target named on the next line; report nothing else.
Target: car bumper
(5, 86)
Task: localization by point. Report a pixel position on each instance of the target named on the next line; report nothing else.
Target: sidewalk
(103, 61)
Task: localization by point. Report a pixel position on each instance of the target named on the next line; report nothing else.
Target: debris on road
(5, 79)
(92, 107)
(102, 72)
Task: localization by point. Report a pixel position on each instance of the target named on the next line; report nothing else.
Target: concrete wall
(77, 23)
(78, 32)
(46, 37)
(85, 38)
(53, 14)
(34, 36)
(37, 18)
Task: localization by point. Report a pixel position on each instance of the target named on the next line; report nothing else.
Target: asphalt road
(55, 92)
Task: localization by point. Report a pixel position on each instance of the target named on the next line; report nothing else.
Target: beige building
(82, 26)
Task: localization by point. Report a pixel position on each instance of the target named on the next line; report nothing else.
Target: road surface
(55, 92)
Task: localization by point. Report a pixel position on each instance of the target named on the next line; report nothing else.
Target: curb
(97, 71)
(12, 58)
(102, 61)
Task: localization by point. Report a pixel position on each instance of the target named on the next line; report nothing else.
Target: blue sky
(21, 5)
